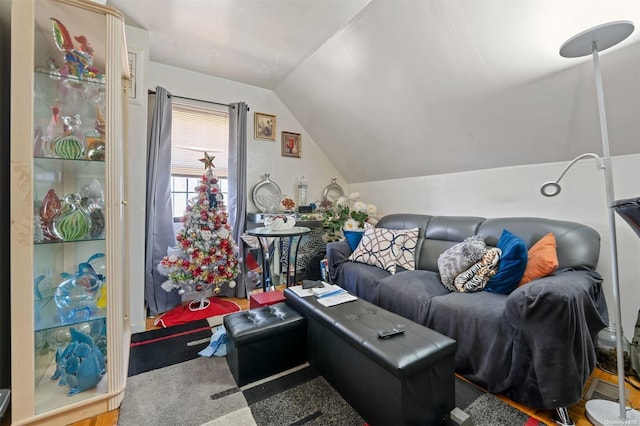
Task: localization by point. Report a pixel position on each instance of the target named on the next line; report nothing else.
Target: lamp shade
(629, 210)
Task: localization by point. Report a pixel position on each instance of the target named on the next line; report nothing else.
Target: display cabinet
(69, 324)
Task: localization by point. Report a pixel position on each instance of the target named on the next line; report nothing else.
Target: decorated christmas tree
(206, 255)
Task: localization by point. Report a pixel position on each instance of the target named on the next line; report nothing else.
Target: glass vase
(49, 210)
(606, 352)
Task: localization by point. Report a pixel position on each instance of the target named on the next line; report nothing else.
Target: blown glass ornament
(72, 144)
(74, 223)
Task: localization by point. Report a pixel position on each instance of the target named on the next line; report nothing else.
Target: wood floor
(576, 411)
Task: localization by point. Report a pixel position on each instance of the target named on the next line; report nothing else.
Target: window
(195, 129)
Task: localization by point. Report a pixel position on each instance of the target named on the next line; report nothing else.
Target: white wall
(514, 191)
(262, 156)
(135, 158)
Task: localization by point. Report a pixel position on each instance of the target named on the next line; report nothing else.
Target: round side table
(294, 234)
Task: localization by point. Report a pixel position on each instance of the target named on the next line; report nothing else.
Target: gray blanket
(535, 345)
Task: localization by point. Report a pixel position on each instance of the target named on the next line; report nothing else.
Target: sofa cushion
(408, 293)
(458, 258)
(359, 279)
(542, 259)
(512, 264)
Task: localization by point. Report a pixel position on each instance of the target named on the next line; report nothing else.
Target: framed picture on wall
(264, 126)
(291, 145)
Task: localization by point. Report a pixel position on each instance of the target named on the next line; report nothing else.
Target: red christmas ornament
(199, 287)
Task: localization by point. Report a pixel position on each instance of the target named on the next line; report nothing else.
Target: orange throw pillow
(542, 259)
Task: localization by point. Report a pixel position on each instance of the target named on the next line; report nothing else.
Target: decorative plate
(333, 191)
(266, 195)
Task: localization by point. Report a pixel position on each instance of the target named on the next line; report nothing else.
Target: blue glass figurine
(76, 296)
(80, 365)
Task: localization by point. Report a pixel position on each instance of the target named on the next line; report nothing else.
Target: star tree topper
(208, 161)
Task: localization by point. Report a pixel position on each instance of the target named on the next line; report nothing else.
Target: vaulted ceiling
(403, 88)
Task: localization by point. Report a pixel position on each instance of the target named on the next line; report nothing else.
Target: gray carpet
(202, 392)
(180, 395)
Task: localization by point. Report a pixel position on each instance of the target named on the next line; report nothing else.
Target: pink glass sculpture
(49, 210)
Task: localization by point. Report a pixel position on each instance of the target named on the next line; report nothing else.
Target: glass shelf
(48, 317)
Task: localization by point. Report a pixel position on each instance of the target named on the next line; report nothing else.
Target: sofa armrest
(556, 318)
(553, 298)
(338, 252)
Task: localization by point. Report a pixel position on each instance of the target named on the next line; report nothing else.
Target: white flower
(360, 207)
(342, 201)
(351, 225)
(371, 209)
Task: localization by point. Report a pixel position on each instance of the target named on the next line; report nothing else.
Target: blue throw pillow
(512, 264)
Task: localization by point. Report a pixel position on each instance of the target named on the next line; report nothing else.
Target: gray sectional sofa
(534, 345)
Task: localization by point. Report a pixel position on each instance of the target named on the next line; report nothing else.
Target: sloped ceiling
(404, 88)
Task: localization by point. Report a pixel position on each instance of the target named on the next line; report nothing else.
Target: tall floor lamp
(590, 42)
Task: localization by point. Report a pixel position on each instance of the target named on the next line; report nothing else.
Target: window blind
(194, 130)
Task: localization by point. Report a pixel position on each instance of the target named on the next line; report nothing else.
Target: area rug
(160, 348)
(301, 397)
(202, 391)
(180, 395)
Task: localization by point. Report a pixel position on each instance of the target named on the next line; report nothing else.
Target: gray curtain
(159, 220)
(237, 203)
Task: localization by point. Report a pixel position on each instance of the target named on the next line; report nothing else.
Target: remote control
(384, 334)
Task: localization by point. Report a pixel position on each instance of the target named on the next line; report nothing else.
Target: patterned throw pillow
(458, 258)
(476, 277)
(407, 250)
(385, 248)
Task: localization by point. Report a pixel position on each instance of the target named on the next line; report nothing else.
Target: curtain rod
(152, 92)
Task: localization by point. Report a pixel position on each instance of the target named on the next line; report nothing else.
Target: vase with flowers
(345, 218)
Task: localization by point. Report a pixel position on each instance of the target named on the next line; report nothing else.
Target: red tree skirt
(182, 314)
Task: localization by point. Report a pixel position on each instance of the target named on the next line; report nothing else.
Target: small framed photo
(264, 126)
(291, 145)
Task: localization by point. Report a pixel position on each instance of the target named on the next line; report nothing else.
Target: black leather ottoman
(403, 380)
(264, 341)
